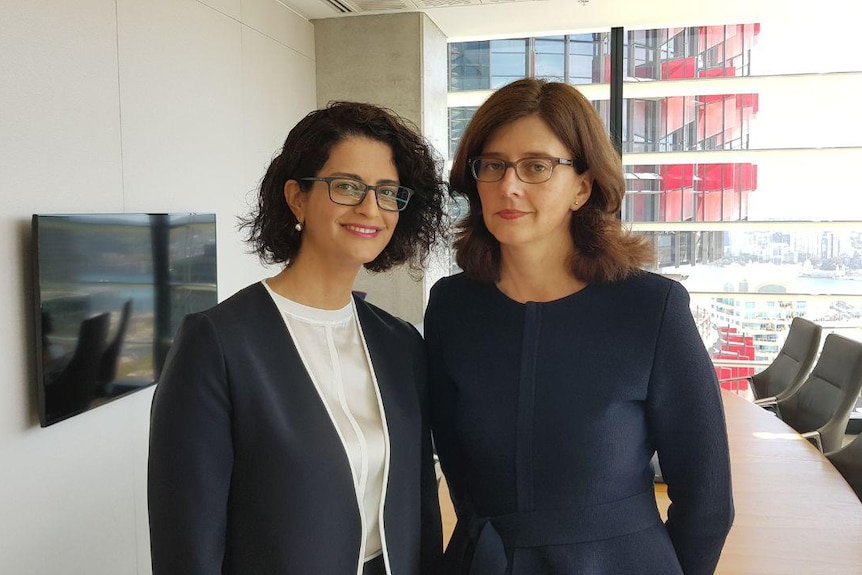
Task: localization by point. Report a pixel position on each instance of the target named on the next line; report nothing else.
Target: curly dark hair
(270, 226)
(604, 251)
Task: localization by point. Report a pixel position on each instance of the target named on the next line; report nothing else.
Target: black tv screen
(110, 292)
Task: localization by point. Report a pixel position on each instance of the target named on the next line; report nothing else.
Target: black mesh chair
(821, 408)
(848, 461)
(791, 366)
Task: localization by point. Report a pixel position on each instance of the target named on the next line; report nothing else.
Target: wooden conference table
(795, 514)
(794, 511)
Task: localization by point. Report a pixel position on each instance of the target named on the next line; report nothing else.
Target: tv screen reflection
(110, 293)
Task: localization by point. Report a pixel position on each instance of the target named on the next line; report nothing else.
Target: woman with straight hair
(559, 367)
(289, 430)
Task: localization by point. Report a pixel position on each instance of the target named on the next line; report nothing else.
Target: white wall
(121, 106)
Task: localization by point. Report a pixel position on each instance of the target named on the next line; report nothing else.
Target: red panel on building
(678, 69)
(675, 176)
(734, 347)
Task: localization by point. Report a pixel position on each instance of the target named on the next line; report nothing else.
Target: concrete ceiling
(463, 20)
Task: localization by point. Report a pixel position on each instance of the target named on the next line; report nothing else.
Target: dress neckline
(564, 299)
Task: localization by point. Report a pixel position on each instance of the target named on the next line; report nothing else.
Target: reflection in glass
(111, 290)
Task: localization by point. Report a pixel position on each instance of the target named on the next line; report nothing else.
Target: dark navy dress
(546, 416)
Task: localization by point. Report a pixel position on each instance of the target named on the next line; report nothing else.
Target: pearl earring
(576, 202)
(298, 226)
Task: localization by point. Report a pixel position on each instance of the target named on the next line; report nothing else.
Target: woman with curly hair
(559, 367)
(289, 429)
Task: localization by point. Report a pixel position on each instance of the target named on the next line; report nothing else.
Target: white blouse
(332, 347)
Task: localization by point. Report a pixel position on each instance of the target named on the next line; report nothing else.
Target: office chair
(111, 356)
(848, 462)
(787, 372)
(821, 408)
(74, 388)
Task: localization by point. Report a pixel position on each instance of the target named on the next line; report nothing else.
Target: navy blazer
(247, 474)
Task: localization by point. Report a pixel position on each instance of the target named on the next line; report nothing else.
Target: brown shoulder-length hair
(604, 250)
(270, 225)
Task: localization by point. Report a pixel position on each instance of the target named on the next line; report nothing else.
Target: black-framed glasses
(350, 192)
(528, 170)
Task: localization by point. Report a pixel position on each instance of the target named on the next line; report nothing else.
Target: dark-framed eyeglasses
(528, 170)
(351, 192)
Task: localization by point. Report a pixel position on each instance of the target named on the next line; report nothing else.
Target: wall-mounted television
(110, 291)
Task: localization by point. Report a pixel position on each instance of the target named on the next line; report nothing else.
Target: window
(509, 61)
(550, 58)
(748, 203)
(469, 66)
(458, 120)
(589, 58)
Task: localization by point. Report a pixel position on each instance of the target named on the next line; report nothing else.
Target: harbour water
(833, 302)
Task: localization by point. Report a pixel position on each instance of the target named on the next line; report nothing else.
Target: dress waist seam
(574, 524)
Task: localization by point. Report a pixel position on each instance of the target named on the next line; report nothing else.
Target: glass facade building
(735, 153)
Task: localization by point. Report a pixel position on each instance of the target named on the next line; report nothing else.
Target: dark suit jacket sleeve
(191, 455)
(443, 420)
(432, 531)
(440, 393)
(687, 419)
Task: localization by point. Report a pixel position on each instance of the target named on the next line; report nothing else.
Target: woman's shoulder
(648, 278)
(369, 312)
(237, 322)
(249, 299)
(248, 309)
(647, 286)
(456, 285)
